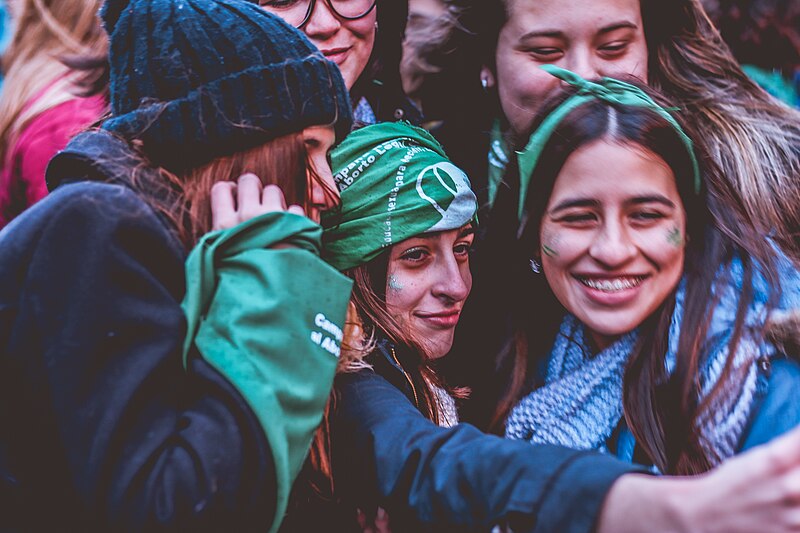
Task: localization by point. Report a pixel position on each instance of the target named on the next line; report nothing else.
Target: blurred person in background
(42, 104)
(764, 35)
(363, 37)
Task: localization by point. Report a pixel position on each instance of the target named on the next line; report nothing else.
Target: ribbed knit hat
(198, 79)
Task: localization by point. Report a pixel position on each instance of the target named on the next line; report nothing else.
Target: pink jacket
(22, 175)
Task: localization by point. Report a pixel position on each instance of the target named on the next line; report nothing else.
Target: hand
(234, 203)
(756, 491)
(380, 523)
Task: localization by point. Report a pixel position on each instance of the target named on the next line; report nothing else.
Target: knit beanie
(199, 79)
(395, 182)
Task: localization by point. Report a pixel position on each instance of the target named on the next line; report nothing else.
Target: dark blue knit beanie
(198, 79)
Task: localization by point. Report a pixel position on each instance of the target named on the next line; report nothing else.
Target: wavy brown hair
(282, 161)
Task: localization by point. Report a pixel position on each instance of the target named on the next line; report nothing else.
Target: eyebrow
(558, 33)
(636, 200)
(467, 230)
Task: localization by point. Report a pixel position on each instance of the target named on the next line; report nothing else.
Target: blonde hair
(45, 31)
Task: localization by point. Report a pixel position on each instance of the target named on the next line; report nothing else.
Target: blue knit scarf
(580, 404)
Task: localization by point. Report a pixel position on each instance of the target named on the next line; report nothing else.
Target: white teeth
(611, 285)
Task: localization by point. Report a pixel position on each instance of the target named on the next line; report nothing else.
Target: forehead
(607, 170)
(571, 15)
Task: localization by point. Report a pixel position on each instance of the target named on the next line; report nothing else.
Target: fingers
(382, 521)
(784, 451)
(223, 206)
(273, 199)
(248, 197)
(297, 210)
(234, 203)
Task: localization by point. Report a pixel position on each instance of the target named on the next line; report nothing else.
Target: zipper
(408, 378)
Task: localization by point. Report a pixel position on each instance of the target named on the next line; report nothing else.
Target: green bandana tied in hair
(396, 182)
(606, 89)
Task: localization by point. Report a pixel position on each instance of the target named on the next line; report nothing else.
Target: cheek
(522, 87)
(363, 31)
(401, 292)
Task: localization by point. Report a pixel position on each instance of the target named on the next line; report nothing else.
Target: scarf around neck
(580, 404)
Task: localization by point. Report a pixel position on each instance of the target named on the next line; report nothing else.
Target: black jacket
(428, 478)
(103, 428)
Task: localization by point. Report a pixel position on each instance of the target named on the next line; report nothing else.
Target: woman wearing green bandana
(391, 440)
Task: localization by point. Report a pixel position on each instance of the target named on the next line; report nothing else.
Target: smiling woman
(391, 438)
(363, 37)
(659, 357)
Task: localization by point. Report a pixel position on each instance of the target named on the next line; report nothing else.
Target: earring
(536, 266)
(484, 83)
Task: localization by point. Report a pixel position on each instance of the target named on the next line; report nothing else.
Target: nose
(324, 193)
(613, 247)
(452, 285)
(323, 22)
(582, 62)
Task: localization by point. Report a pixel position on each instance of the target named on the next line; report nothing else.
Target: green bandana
(606, 89)
(396, 182)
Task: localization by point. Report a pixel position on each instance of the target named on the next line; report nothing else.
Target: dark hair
(384, 62)
(661, 409)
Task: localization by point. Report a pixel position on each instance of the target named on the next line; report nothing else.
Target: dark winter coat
(428, 478)
(103, 427)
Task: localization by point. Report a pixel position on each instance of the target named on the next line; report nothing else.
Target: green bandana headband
(396, 182)
(606, 89)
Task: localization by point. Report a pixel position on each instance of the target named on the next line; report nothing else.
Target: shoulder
(96, 222)
(778, 411)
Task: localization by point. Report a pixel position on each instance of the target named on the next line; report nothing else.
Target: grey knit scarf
(580, 404)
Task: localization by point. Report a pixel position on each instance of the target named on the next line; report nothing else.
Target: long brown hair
(282, 161)
(45, 33)
(752, 137)
(663, 409)
(369, 321)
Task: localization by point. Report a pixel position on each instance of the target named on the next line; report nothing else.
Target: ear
(487, 78)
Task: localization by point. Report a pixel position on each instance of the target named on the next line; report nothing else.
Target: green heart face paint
(675, 238)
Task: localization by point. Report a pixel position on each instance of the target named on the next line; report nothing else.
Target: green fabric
(499, 153)
(396, 182)
(270, 320)
(606, 89)
(774, 83)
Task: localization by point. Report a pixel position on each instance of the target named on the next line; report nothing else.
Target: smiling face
(612, 237)
(428, 279)
(592, 38)
(322, 191)
(348, 43)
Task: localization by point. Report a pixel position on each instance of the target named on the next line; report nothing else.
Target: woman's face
(613, 237)
(322, 191)
(590, 37)
(428, 279)
(348, 43)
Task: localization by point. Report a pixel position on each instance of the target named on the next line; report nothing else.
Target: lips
(442, 319)
(337, 55)
(611, 291)
(611, 285)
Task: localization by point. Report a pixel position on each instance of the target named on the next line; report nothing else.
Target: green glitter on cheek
(675, 238)
(395, 284)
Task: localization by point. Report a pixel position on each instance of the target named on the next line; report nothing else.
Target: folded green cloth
(271, 321)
